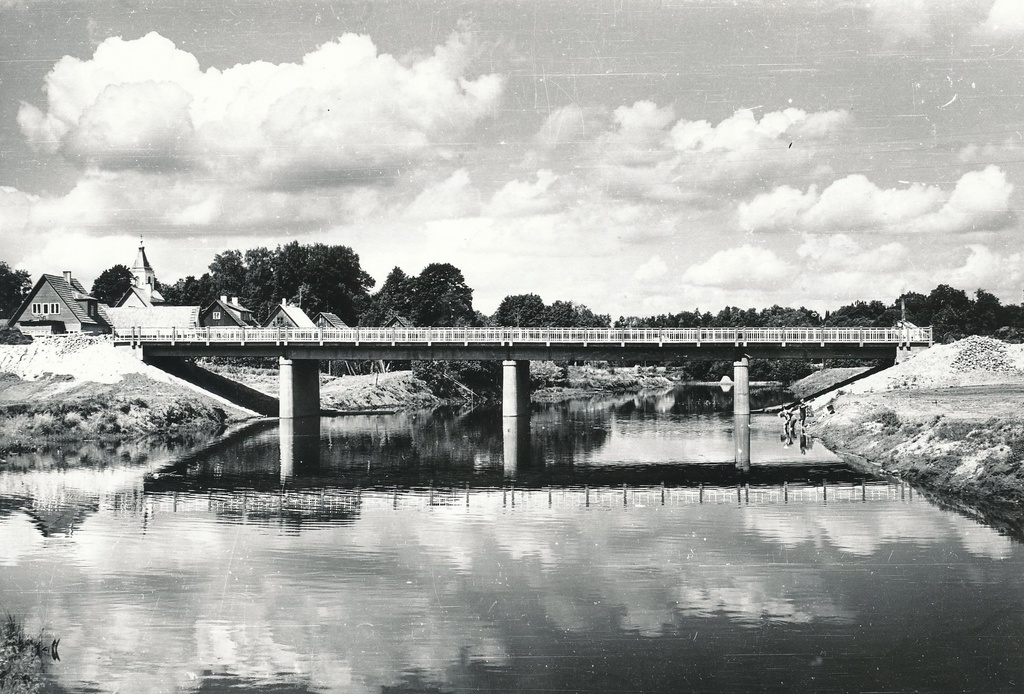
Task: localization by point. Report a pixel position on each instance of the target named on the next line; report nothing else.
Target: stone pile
(977, 353)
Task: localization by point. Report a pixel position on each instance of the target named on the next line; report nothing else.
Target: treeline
(951, 313)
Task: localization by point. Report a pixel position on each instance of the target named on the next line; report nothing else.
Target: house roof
(153, 317)
(234, 310)
(397, 321)
(68, 293)
(153, 299)
(297, 316)
(331, 319)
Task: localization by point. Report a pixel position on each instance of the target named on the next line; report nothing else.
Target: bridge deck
(520, 343)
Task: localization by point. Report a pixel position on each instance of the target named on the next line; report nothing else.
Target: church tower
(145, 277)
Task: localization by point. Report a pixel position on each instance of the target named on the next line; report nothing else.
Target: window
(43, 309)
(55, 308)
(216, 315)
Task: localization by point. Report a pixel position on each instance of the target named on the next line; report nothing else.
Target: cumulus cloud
(452, 198)
(345, 115)
(1005, 18)
(743, 267)
(646, 152)
(518, 198)
(989, 270)
(980, 201)
(653, 269)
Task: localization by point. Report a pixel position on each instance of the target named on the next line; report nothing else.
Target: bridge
(299, 350)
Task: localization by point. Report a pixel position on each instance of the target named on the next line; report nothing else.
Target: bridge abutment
(741, 386)
(515, 388)
(299, 388)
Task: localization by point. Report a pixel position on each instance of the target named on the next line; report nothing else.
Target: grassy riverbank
(21, 659)
(950, 420)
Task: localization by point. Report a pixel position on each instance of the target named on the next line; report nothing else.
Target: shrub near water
(21, 659)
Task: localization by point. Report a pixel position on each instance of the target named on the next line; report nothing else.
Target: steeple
(145, 277)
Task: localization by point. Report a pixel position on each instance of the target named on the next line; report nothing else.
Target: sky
(638, 157)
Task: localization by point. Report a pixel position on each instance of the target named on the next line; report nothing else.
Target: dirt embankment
(950, 419)
(79, 387)
(397, 390)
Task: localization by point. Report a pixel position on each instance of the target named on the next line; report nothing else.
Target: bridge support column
(741, 386)
(300, 388)
(515, 388)
(741, 438)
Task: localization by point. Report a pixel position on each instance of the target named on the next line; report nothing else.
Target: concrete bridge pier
(741, 439)
(516, 445)
(300, 388)
(515, 388)
(741, 386)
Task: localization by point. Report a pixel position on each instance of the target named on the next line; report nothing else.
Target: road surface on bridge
(526, 343)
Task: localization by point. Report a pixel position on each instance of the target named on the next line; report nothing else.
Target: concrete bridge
(300, 350)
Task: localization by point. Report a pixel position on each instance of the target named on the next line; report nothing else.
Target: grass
(21, 659)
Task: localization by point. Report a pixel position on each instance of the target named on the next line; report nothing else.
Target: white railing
(511, 336)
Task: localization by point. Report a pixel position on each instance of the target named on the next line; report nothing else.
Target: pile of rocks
(977, 353)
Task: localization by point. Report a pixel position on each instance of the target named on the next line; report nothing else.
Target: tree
(190, 291)
(334, 281)
(228, 272)
(14, 285)
(394, 298)
(521, 311)
(442, 297)
(112, 284)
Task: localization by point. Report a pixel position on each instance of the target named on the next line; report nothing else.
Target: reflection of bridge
(331, 503)
(300, 350)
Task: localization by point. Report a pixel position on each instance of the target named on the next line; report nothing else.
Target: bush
(13, 336)
(889, 420)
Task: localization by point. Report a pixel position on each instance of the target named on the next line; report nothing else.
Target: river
(618, 544)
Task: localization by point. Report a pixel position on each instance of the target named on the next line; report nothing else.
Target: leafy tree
(987, 313)
(334, 281)
(442, 297)
(521, 311)
(14, 285)
(112, 284)
(228, 272)
(257, 290)
(394, 298)
(190, 291)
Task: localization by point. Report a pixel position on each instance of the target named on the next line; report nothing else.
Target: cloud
(519, 198)
(989, 270)
(646, 152)
(743, 267)
(841, 252)
(345, 115)
(452, 198)
(1005, 18)
(980, 201)
(653, 269)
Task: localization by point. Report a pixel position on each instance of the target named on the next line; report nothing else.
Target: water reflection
(629, 552)
(741, 438)
(515, 444)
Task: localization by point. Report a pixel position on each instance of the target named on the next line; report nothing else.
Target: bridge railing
(506, 336)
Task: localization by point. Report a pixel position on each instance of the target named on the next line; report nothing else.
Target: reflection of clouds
(861, 531)
(350, 608)
(748, 599)
(20, 539)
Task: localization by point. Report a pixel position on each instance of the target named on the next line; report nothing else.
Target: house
(328, 321)
(397, 321)
(285, 315)
(143, 292)
(226, 312)
(59, 304)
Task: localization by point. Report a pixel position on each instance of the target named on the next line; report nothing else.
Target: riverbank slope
(950, 419)
(79, 387)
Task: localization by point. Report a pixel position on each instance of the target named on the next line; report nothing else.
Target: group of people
(789, 414)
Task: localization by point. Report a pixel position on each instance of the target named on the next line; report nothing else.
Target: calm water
(615, 546)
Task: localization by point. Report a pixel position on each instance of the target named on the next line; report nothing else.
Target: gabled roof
(234, 310)
(297, 316)
(68, 293)
(397, 321)
(331, 319)
(153, 299)
(153, 317)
